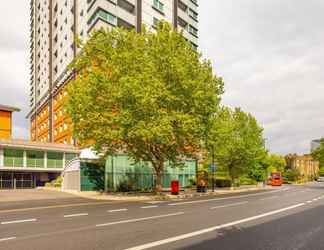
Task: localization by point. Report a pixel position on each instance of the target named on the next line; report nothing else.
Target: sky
(269, 52)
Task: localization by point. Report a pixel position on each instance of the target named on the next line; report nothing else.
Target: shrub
(291, 175)
(245, 180)
(57, 183)
(124, 186)
(321, 172)
(192, 181)
(223, 183)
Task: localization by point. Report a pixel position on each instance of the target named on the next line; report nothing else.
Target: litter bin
(175, 187)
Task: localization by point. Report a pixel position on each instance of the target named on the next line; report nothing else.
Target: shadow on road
(303, 231)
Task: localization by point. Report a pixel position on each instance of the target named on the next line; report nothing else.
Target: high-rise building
(57, 24)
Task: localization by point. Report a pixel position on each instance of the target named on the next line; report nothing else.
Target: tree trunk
(232, 178)
(158, 184)
(158, 170)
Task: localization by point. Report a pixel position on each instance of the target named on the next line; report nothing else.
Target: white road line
(139, 219)
(17, 221)
(75, 215)
(226, 198)
(230, 205)
(155, 202)
(269, 198)
(146, 207)
(6, 239)
(211, 229)
(117, 210)
(309, 201)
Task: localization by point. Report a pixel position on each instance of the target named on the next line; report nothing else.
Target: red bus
(276, 179)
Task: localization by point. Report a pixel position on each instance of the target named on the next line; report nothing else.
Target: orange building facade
(56, 124)
(6, 121)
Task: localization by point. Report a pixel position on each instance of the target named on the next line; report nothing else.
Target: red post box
(175, 187)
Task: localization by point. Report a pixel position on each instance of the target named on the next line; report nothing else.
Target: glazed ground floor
(25, 179)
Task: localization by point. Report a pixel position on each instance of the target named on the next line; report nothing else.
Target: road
(290, 217)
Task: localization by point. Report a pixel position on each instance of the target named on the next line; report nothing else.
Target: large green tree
(318, 154)
(237, 141)
(147, 94)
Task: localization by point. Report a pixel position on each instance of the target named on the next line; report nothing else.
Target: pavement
(288, 217)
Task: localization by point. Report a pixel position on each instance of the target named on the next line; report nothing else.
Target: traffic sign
(212, 167)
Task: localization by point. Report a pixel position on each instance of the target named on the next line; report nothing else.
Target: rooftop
(17, 143)
(9, 108)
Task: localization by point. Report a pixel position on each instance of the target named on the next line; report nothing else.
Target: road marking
(75, 215)
(117, 210)
(155, 202)
(146, 207)
(230, 205)
(211, 229)
(269, 198)
(139, 219)
(17, 221)
(6, 239)
(59, 206)
(309, 201)
(225, 198)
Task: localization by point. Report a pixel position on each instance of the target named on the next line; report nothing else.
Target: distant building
(307, 167)
(6, 121)
(315, 144)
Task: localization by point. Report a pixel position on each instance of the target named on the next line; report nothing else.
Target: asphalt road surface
(290, 217)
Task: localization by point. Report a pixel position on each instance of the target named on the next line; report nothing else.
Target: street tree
(318, 154)
(275, 163)
(237, 141)
(148, 95)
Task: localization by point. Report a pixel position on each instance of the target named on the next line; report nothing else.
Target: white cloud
(270, 55)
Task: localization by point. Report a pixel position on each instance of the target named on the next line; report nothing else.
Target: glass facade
(70, 157)
(54, 160)
(123, 172)
(13, 158)
(35, 159)
(19, 158)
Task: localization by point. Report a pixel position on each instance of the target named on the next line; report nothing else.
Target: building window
(54, 160)
(103, 15)
(193, 31)
(13, 158)
(155, 22)
(158, 5)
(35, 159)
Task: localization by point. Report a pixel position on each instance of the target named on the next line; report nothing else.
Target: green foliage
(257, 172)
(247, 180)
(321, 171)
(318, 154)
(236, 140)
(221, 183)
(57, 183)
(291, 175)
(147, 94)
(192, 182)
(275, 163)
